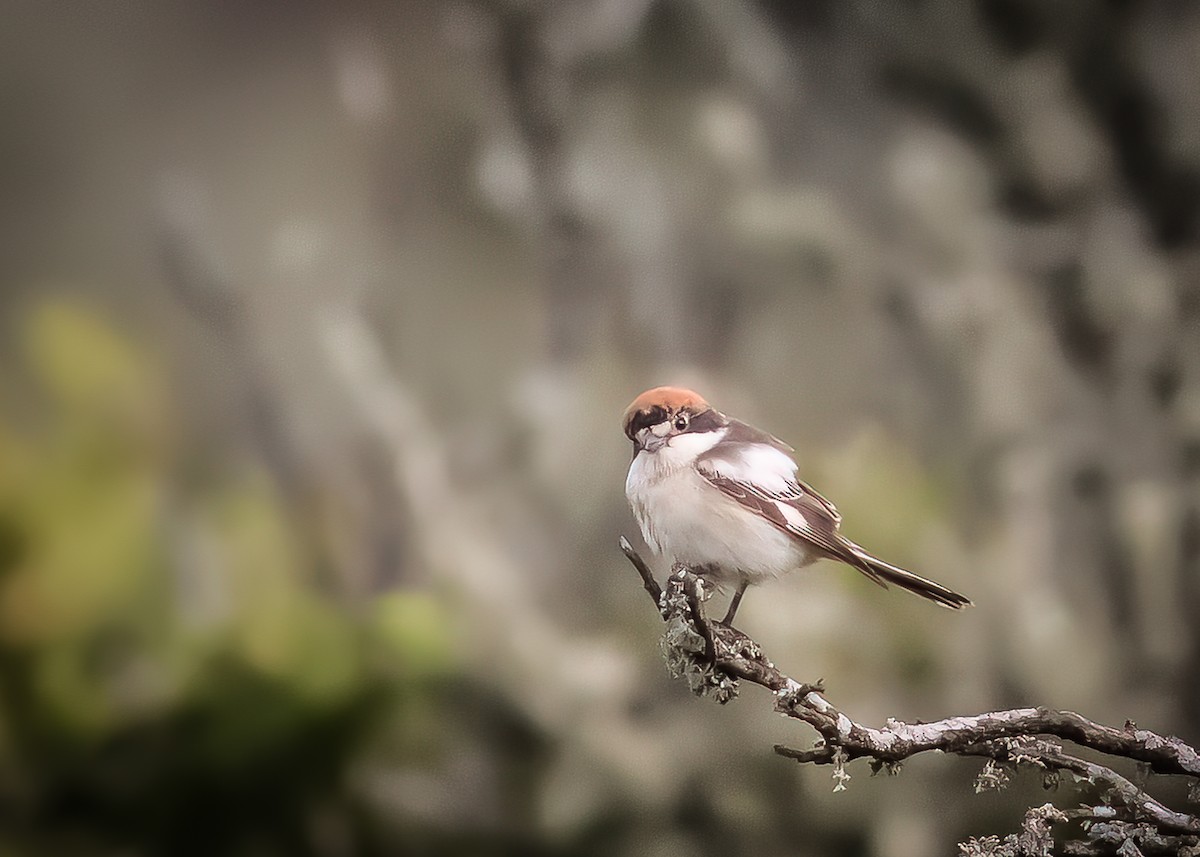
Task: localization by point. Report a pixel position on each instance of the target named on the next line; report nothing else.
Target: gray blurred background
(317, 325)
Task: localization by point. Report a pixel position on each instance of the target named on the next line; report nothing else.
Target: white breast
(687, 520)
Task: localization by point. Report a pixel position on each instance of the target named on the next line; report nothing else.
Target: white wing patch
(763, 479)
(770, 470)
(793, 516)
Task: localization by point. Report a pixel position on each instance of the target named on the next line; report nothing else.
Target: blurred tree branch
(713, 658)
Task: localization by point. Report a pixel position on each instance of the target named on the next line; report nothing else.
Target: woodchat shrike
(722, 498)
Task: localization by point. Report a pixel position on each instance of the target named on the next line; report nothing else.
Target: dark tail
(884, 573)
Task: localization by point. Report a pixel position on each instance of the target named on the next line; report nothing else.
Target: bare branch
(713, 657)
(648, 581)
(1049, 755)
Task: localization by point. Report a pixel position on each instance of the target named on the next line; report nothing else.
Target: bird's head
(663, 413)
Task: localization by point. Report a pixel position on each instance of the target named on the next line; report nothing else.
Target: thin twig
(648, 582)
(1049, 755)
(691, 589)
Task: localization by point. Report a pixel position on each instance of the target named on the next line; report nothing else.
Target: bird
(723, 498)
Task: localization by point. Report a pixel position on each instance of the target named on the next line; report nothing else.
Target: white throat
(680, 451)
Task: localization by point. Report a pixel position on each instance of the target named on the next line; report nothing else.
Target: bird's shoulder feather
(756, 470)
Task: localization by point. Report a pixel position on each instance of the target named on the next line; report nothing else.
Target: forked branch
(714, 658)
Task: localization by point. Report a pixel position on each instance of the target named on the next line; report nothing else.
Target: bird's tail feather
(884, 573)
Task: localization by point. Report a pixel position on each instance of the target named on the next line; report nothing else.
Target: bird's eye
(681, 422)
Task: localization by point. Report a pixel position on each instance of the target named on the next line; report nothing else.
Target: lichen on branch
(714, 658)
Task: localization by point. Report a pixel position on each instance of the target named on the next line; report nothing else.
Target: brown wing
(731, 447)
(740, 432)
(798, 511)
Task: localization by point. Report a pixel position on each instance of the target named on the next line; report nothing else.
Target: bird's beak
(649, 441)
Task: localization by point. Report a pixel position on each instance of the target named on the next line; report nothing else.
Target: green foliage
(170, 679)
